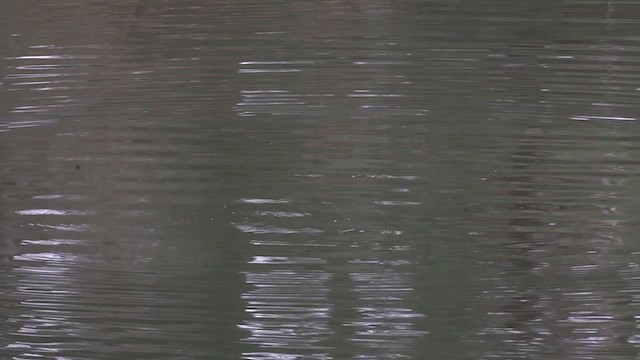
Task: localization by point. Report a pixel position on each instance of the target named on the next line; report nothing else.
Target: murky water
(319, 179)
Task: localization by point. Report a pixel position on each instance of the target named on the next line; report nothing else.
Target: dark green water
(319, 179)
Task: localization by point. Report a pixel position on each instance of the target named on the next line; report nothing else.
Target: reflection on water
(319, 180)
(309, 293)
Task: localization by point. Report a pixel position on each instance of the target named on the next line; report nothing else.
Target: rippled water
(319, 179)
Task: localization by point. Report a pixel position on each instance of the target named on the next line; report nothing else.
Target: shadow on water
(564, 274)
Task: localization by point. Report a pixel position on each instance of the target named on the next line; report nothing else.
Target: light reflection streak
(38, 212)
(291, 307)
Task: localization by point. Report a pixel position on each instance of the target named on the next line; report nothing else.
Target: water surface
(319, 179)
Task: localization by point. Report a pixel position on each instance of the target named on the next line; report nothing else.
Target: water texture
(319, 179)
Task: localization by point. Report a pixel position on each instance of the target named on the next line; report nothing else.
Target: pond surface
(319, 179)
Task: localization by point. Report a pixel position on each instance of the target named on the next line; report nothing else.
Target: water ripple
(319, 180)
